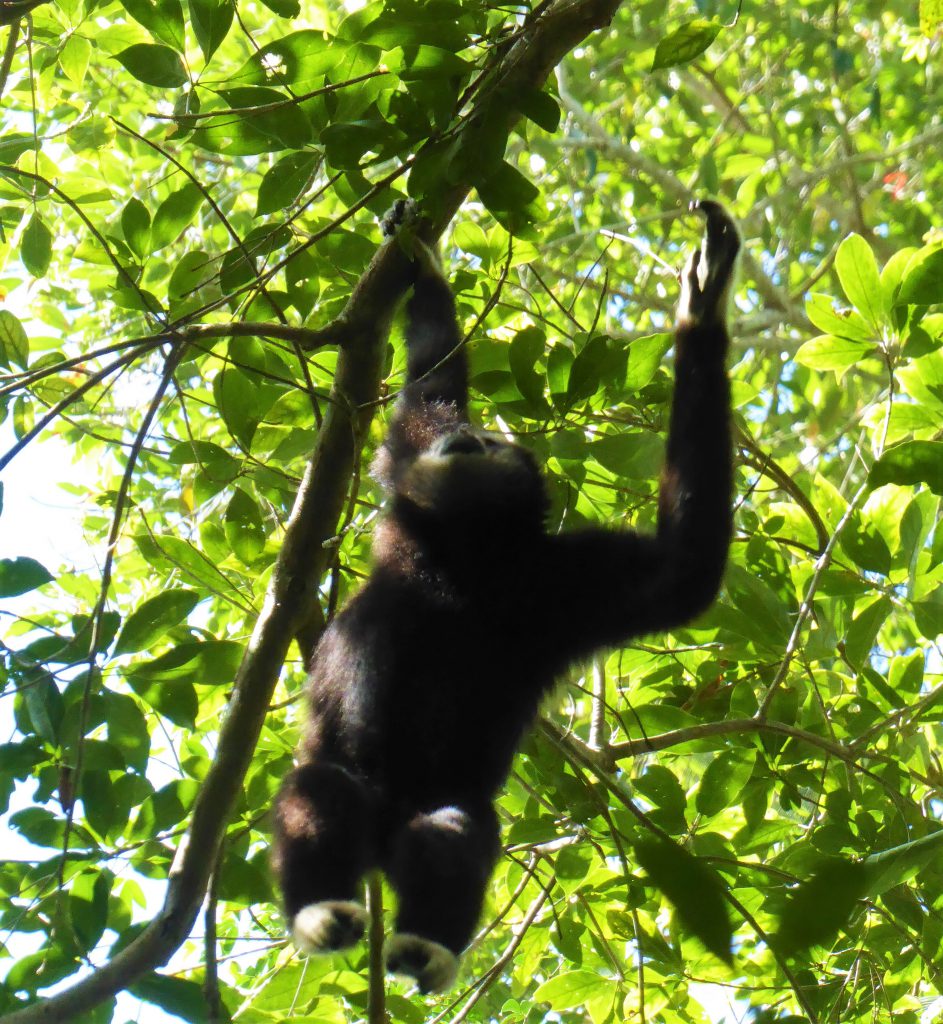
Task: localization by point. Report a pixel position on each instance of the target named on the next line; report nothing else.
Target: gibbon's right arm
(611, 584)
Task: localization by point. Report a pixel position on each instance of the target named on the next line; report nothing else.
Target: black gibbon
(422, 686)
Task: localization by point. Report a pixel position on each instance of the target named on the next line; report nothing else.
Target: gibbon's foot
(708, 273)
(433, 967)
(328, 926)
(404, 216)
(403, 213)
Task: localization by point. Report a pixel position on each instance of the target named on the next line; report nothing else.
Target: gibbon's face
(473, 474)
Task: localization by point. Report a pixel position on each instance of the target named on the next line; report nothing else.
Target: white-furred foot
(328, 926)
(431, 965)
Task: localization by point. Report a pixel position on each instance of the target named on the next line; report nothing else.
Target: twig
(117, 519)
(376, 992)
(11, 453)
(216, 1012)
(8, 54)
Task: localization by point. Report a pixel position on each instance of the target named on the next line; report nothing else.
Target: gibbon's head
(478, 481)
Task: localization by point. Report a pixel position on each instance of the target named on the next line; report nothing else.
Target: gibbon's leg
(322, 850)
(641, 583)
(439, 866)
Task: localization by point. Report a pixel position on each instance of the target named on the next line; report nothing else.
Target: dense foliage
(742, 813)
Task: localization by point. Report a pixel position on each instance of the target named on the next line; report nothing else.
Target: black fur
(422, 686)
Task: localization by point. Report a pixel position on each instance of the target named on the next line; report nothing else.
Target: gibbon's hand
(708, 273)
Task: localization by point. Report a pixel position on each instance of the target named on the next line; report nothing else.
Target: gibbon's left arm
(610, 585)
(434, 401)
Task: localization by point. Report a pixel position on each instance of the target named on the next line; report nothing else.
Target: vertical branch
(215, 1011)
(7, 62)
(376, 999)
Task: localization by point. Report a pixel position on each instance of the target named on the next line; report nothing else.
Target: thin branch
(495, 970)
(216, 1012)
(8, 53)
(241, 113)
(765, 464)
(376, 986)
(60, 406)
(117, 520)
(731, 727)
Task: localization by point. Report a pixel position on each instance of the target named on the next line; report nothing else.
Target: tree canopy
(738, 818)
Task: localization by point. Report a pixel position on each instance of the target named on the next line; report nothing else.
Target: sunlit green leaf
(685, 43)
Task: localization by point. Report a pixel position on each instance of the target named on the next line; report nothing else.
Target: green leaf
(586, 371)
(300, 60)
(193, 271)
(830, 353)
(928, 615)
(723, 781)
(174, 215)
(866, 546)
(819, 907)
(74, 57)
(162, 18)
(864, 630)
(136, 225)
(284, 8)
(211, 20)
(424, 62)
(857, 270)
(694, 890)
(922, 283)
(645, 356)
(537, 105)
(148, 623)
(236, 399)
(244, 527)
(19, 575)
(127, 729)
(893, 867)
(510, 198)
(14, 343)
(176, 996)
(154, 65)
(284, 182)
(685, 43)
(847, 323)
(892, 275)
(910, 464)
(569, 989)
(44, 704)
(526, 348)
(36, 247)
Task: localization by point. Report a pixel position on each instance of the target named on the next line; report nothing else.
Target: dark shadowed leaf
(154, 65)
(19, 575)
(909, 464)
(694, 890)
(148, 623)
(821, 905)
